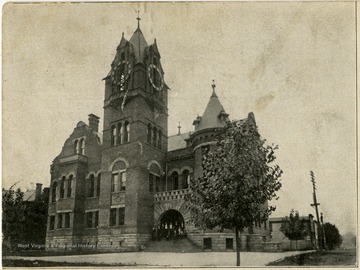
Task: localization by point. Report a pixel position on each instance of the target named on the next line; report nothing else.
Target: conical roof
(139, 44)
(212, 117)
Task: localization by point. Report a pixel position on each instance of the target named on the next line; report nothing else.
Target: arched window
(127, 132)
(62, 188)
(53, 192)
(98, 185)
(120, 133)
(91, 187)
(149, 131)
(82, 146)
(154, 136)
(76, 147)
(118, 177)
(113, 135)
(159, 139)
(69, 186)
(185, 179)
(175, 180)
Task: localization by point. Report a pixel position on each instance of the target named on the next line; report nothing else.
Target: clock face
(120, 73)
(155, 77)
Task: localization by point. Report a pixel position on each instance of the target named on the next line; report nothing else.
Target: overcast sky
(292, 64)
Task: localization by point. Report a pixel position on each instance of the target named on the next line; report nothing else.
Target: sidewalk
(171, 259)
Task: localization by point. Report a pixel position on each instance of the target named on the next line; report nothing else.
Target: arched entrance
(171, 225)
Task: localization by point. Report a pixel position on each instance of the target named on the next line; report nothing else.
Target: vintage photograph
(179, 134)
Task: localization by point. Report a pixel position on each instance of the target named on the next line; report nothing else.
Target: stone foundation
(126, 242)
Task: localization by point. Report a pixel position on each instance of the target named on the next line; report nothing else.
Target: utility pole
(323, 231)
(315, 204)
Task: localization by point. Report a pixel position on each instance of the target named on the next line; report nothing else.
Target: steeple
(214, 115)
(139, 43)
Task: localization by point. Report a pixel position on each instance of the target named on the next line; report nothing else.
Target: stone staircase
(183, 245)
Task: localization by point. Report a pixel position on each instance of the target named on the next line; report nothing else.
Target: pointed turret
(139, 43)
(214, 115)
(123, 41)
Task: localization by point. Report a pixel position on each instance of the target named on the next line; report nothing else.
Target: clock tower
(134, 141)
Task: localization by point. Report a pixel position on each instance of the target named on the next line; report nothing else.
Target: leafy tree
(22, 221)
(239, 178)
(293, 228)
(332, 236)
(12, 215)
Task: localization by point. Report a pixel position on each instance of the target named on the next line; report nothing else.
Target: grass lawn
(320, 258)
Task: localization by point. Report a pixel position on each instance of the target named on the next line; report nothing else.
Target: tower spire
(138, 19)
(213, 88)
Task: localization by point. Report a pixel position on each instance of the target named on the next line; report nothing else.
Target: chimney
(38, 192)
(94, 122)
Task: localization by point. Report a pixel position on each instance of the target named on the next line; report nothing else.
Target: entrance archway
(171, 225)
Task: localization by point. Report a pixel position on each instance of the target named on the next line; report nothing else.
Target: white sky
(292, 64)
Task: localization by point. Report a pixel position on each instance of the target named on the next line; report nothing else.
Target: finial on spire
(213, 87)
(138, 19)
(179, 127)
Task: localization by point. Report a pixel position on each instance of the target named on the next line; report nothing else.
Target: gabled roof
(212, 115)
(139, 44)
(177, 141)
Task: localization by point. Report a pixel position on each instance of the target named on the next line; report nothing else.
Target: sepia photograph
(179, 134)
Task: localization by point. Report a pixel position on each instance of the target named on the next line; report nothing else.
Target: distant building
(29, 221)
(310, 240)
(120, 189)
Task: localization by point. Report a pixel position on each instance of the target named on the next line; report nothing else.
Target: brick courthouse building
(118, 189)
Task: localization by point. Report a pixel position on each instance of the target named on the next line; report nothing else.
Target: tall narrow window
(91, 186)
(126, 132)
(98, 180)
(113, 217)
(154, 136)
(113, 135)
(60, 221)
(67, 220)
(175, 180)
(121, 215)
(123, 181)
(69, 186)
(53, 193)
(89, 219)
(185, 179)
(62, 187)
(149, 132)
(159, 139)
(76, 147)
(82, 147)
(120, 134)
(157, 183)
(115, 182)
